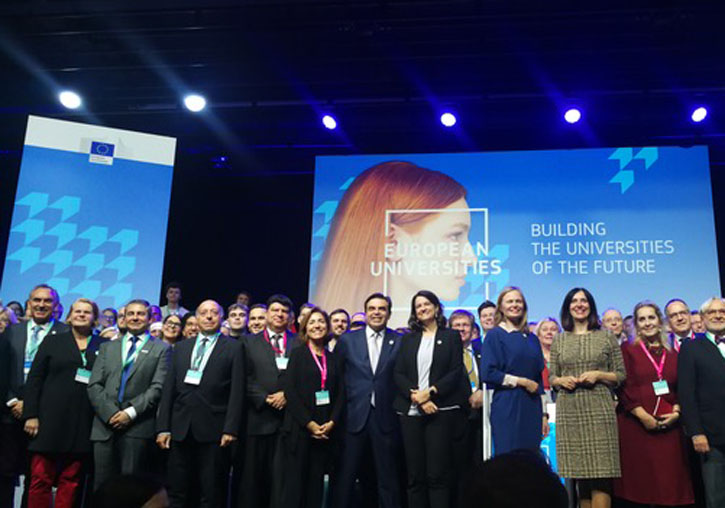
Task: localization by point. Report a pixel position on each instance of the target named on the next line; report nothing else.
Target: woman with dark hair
(314, 390)
(171, 329)
(585, 364)
(432, 389)
(511, 364)
(57, 411)
(189, 326)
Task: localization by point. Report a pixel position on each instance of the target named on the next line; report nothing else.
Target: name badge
(282, 362)
(193, 377)
(83, 376)
(322, 398)
(661, 388)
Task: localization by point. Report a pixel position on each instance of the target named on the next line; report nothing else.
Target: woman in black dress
(314, 390)
(57, 411)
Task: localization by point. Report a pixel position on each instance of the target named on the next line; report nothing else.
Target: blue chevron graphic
(61, 285)
(623, 155)
(32, 228)
(92, 262)
(65, 231)
(624, 178)
(124, 264)
(88, 289)
(120, 292)
(322, 232)
(35, 201)
(60, 259)
(128, 238)
(649, 155)
(69, 205)
(28, 257)
(328, 208)
(95, 235)
(347, 183)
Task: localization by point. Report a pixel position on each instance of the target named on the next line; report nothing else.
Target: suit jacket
(264, 378)
(143, 387)
(59, 401)
(361, 381)
(4, 373)
(447, 373)
(701, 389)
(211, 408)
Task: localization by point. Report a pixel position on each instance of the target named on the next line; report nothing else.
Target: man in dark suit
(678, 317)
(201, 409)
(124, 390)
(701, 390)
(24, 340)
(266, 361)
(368, 358)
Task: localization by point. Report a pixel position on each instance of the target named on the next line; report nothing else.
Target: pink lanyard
(322, 366)
(279, 352)
(677, 342)
(661, 368)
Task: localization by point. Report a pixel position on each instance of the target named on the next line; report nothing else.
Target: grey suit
(125, 451)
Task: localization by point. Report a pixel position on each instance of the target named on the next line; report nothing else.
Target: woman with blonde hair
(512, 364)
(650, 436)
(383, 224)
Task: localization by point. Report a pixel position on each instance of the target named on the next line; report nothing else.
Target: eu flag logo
(101, 153)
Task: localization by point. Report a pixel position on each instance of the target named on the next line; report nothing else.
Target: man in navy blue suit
(369, 358)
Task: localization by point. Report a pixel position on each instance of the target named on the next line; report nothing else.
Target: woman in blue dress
(511, 364)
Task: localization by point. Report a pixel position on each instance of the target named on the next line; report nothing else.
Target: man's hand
(277, 400)
(163, 440)
(476, 399)
(529, 385)
(589, 378)
(567, 382)
(544, 427)
(429, 408)
(120, 420)
(227, 439)
(326, 428)
(31, 427)
(316, 430)
(420, 396)
(17, 409)
(700, 443)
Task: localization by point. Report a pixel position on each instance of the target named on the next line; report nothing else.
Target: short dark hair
(172, 284)
(382, 297)
(413, 322)
(52, 291)
(237, 306)
(338, 311)
(486, 305)
(458, 313)
(567, 321)
(307, 305)
(673, 300)
(115, 314)
(245, 292)
(258, 306)
(280, 299)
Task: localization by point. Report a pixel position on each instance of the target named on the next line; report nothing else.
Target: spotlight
(194, 102)
(699, 114)
(329, 122)
(572, 115)
(70, 100)
(448, 119)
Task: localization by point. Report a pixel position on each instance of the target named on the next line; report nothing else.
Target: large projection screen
(628, 223)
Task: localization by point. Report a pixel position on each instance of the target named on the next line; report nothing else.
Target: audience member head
(612, 321)
(278, 313)
(138, 317)
(648, 325)
(172, 291)
(546, 330)
(339, 322)
(171, 329)
(7, 318)
(512, 308)
(155, 315)
(155, 329)
(42, 303)
(518, 479)
(579, 307)
(628, 327)
(257, 318)
(121, 321)
(244, 298)
(305, 309)
(678, 317)
(476, 332)
(17, 308)
(377, 311)
(357, 321)
(83, 316)
(237, 318)
(713, 315)
(58, 311)
(209, 316)
(463, 321)
(109, 316)
(189, 326)
(315, 327)
(131, 491)
(698, 326)
(425, 309)
(487, 316)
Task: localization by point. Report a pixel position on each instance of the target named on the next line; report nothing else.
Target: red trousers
(67, 469)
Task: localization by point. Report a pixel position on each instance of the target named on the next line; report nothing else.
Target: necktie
(34, 339)
(468, 362)
(376, 352)
(275, 344)
(196, 364)
(127, 367)
(719, 339)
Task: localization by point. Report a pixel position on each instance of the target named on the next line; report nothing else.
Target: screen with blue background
(628, 223)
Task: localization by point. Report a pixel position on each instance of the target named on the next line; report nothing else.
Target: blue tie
(127, 368)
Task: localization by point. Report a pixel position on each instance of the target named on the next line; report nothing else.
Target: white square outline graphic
(436, 210)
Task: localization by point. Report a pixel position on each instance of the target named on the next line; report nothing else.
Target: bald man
(201, 409)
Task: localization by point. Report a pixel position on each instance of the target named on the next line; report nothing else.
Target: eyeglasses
(682, 313)
(172, 324)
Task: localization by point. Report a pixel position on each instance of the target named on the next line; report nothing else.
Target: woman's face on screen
(435, 253)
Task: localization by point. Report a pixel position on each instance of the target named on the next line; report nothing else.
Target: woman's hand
(529, 385)
(669, 419)
(326, 428)
(649, 422)
(589, 378)
(316, 430)
(420, 396)
(566, 382)
(429, 408)
(31, 427)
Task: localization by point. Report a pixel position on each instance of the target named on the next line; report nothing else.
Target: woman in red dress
(654, 463)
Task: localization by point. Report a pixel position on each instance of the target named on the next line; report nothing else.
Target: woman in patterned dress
(585, 364)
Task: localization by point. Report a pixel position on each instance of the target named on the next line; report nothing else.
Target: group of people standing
(261, 419)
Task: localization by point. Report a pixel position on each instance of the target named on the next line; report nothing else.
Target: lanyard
(659, 368)
(32, 348)
(276, 350)
(322, 366)
(212, 340)
(128, 361)
(84, 351)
